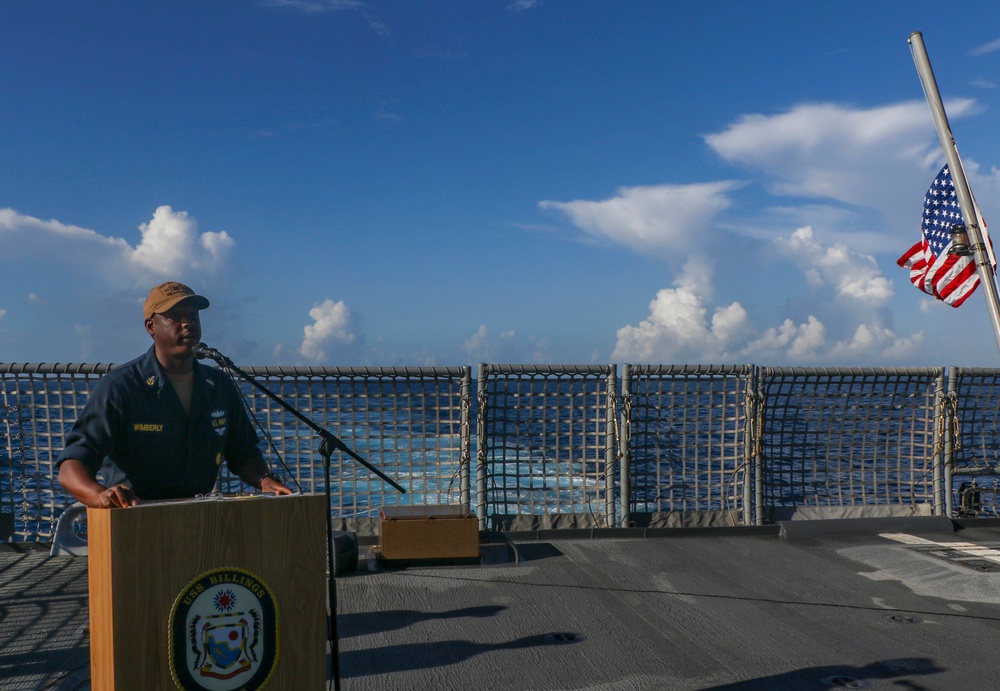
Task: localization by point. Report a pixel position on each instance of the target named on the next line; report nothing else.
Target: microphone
(202, 351)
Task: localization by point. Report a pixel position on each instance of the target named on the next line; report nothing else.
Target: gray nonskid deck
(686, 613)
(43, 620)
(716, 610)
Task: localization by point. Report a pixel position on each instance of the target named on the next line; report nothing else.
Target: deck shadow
(365, 623)
(416, 656)
(840, 676)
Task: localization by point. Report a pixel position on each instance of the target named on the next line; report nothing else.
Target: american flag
(947, 277)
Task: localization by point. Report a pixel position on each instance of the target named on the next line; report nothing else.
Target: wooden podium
(209, 594)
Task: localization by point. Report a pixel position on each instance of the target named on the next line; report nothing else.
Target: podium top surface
(224, 498)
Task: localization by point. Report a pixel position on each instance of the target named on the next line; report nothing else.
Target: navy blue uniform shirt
(135, 420)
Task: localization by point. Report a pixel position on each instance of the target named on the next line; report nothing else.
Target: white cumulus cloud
(853, 170)
(30, 237)
(483, 346)
(878, 339)
(789, 340)
(99, 281)
(172, 246)
(650, 219)
(850, 274)
(679, 329)
(869, 157)
(478, 345)
(685, 326)
(333, 327)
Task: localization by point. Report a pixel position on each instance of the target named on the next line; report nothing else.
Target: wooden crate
(436, 532)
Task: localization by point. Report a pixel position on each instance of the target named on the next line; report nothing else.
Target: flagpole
(969, 212)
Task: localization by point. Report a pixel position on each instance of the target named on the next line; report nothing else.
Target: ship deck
(867, 603)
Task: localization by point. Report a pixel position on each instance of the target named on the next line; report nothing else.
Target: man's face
(176, 331)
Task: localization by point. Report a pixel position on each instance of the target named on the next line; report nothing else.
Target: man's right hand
(79, 480)
(117, 497)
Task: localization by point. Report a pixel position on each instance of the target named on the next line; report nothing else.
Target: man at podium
(160, 426)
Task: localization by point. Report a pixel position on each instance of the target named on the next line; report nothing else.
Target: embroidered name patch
(224, 632)
(141, 427)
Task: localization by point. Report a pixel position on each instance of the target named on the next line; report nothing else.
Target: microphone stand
(329, 444)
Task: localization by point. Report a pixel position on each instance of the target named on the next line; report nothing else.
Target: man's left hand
(272, 486)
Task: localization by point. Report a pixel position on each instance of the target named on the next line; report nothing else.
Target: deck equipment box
(435, 532)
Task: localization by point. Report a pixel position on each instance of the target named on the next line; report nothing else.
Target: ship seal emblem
(223, 632)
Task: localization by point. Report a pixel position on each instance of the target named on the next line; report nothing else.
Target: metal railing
(836, 438)
(686, 444)
(971, 441)
(40, 404)
(546, 446)
(530, 446)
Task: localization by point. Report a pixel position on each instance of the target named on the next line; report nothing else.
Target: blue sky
(513, 181)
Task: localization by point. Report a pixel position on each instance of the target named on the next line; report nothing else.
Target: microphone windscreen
(202, 351)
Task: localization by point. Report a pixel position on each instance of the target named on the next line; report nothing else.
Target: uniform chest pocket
(147, 436)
